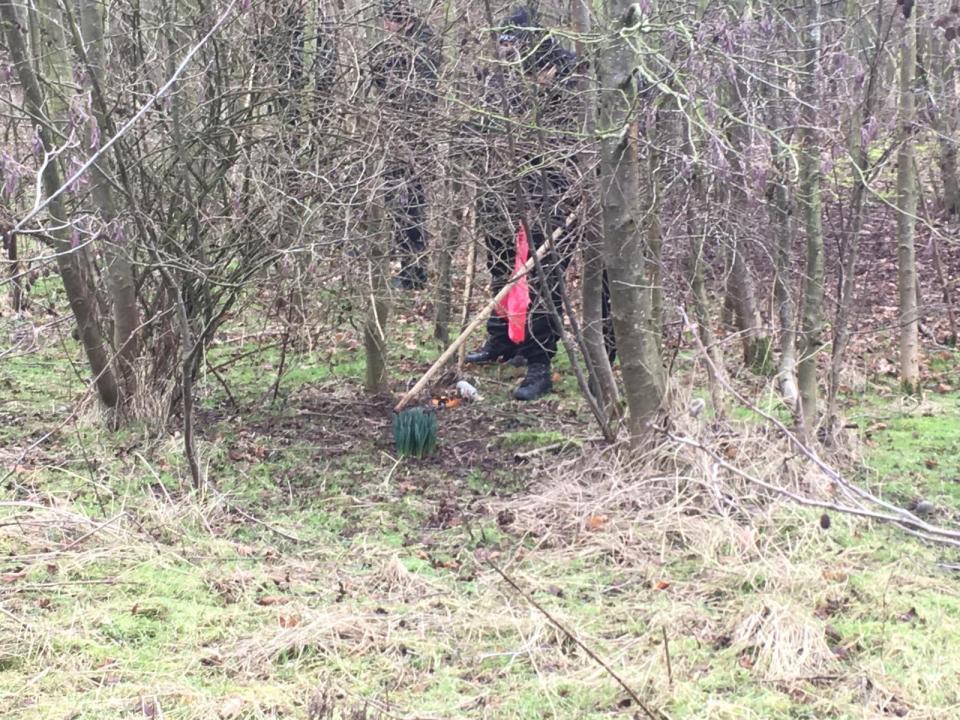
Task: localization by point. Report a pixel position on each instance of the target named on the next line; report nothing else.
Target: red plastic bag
(514, 306)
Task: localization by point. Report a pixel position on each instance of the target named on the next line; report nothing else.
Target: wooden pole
(482, 316)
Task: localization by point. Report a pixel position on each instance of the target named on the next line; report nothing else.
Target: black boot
(410, 277)
(536, 384)
(489, 353)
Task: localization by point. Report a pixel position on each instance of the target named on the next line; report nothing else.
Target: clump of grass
(782, 640)
(415, 432)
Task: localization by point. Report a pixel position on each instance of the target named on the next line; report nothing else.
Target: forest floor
(318, 576)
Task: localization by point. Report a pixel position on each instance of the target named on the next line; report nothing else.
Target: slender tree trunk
(378, 304)
(942, 73)
(756, 342)
(626, 254)
(119, 270)
(449, 239)
(860, 160)
(701, 306)
(695, 268)
(811, 339)
(785, 232)
(9, 244)
(907, 204)
(756, 345)
(69, 261)
(598, 362)
(654, 237)
(783, 228)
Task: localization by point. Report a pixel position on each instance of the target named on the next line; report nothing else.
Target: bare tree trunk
(755, 340)
(942, 73)
(9, 244)
(119, 270)
(907, 205)
(69, 261)
(701, 306)
(626, 256)
(811, 339)
(859, 152)
(654, 238)
(378, 309)
(450, 238)
(785, 231)
(695, 269)
(756, 345)
(598, 361)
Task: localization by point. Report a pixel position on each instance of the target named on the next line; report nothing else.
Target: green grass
(369, 577)
(916, 453)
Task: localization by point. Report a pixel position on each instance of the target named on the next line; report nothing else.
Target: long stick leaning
(483, 315)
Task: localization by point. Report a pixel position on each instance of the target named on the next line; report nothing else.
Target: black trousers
(548, 211)
(406, 203)
(549, 206)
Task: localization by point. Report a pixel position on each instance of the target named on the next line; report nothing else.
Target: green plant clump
(415, 432)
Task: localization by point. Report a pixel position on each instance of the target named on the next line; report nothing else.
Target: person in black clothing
(404, 70)
(543, 88)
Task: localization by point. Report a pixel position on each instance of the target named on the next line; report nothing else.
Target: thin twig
(904, 518)
(652, 714)
(268, 526)
(666, 652)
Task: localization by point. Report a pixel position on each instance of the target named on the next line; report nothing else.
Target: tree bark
(625, 251)
(9, 244)
(859, 153)
(651, 206)
(907, 205)
(598, 361)
(378, 306)
(811, 339)
(941, 71)
(69, 262)
(119, 270)
(695, 268)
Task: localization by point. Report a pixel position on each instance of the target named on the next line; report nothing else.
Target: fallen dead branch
(650, 713)
(859, 497)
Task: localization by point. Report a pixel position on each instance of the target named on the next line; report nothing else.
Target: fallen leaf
(661, 585)
(231, 708)
(730, 451)
(745, 662)
(288, 621)
(149, 708)
(595, 522)
(943, 388)
(13, 577)
(267, 600)
(833, 575)
(446, 401)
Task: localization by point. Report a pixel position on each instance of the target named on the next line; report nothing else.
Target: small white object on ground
(467, 391)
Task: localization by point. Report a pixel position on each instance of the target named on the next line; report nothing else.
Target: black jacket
(405, 67)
